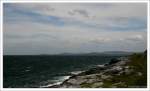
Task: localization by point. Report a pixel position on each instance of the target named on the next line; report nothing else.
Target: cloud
(74, 27)
(135, 38)
(83, 13)
(100, 40)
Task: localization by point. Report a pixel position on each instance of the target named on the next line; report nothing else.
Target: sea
(40, 71)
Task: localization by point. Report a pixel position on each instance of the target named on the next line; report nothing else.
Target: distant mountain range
(99, 53)
(115, 53)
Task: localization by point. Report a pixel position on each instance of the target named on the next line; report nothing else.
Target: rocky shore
(123, 72)
(98, 76)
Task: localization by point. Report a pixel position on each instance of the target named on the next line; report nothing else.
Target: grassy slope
(139, 64)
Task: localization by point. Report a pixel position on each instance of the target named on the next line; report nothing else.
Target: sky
(53, 28)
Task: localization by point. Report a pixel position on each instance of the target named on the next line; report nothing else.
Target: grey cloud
(83, 13)
(126, 19)
(42, 7)
(119, 19)
(86, 31)
(50, 8)
(100, 40)
(135, 38)
(12, 36)
(30, 36)
(71, 13)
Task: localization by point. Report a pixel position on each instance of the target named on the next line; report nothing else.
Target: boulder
(113, 61)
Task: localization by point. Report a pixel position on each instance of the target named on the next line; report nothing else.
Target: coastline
(123, 72)
(115, 66)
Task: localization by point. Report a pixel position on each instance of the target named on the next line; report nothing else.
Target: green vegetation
(134, 74)
(139, 63)
(123, 72)
(136, 78)
(86, 85)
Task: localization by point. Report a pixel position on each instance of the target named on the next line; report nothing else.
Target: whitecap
(76, 72)
(57, 81)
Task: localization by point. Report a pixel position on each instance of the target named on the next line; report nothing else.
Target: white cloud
(135, 38)
(97, 12)
(88, 27)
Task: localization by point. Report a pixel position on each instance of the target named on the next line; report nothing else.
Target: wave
(59, 80)
(76, 72)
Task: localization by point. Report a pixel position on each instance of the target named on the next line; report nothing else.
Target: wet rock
(113, 61)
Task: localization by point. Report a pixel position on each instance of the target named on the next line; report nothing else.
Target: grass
(86, 85)
(139, 64)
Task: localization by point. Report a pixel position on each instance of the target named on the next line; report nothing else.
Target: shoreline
(97, 70)
(61, 80)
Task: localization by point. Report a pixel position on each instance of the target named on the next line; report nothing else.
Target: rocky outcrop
(97, 77)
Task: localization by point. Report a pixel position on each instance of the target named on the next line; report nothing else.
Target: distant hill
(106, 53)
(117, 53)
(98, 53)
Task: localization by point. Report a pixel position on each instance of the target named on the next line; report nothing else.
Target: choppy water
(43, 71)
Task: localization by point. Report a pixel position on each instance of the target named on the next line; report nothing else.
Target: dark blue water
(37, 71)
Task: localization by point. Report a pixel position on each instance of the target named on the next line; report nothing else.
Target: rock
(139, 73)
(105, 77)
(91, 80)
(97, 84)
(128, 71)
(113, 61)
(126, 67)
(114, 70)
(92, 76)
(77, 80)
(119, 84)
(121, 63)
(119, 68)
(96, 76)
(93, 70)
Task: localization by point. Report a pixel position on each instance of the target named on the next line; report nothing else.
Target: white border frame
(66, 89)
